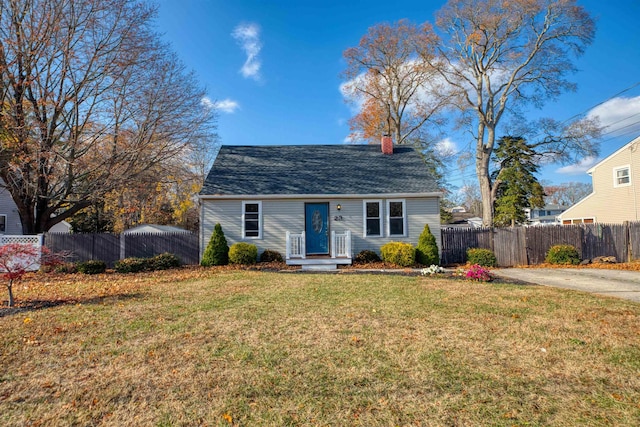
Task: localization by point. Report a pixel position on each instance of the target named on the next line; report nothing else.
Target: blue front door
(317, 228)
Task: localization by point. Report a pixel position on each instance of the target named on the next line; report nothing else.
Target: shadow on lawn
(26, 306)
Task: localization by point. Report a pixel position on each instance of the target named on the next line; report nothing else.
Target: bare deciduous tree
(498, 56)
(90, 100)
(568, 193)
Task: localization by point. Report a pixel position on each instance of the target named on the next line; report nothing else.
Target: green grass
(251, 348)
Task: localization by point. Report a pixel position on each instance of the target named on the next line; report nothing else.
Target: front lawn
(203, 347)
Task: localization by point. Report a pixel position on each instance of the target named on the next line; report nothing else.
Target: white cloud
(619, 115)
(446, 147)
(354, 138)
(248, 37)
(206, 102)
(226, 105)
(579, 168)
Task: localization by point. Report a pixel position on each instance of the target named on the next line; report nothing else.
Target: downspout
(633, 182)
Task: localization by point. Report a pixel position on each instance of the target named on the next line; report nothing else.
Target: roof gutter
(318, 196)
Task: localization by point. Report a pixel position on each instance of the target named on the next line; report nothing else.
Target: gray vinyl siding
(10, 210)
(280, 216)
(419, 212)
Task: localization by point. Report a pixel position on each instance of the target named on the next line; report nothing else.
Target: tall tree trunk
(482, 169)
(27, 218)
(483, 158)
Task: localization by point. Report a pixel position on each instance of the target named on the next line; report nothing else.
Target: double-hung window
(622, 176)
(252, 220)
(372, 218)
(3, 224)
(396, 218)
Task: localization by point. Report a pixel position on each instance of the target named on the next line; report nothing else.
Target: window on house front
(252, 220)
(372, 218)
(396, 217)
(3, 224)
(622, 176)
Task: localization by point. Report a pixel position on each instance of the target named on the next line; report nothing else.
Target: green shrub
(271, 256)
(132, 265)
(243, 253)
(217, 251)
(563, 254)
(366, 257)
(92, 267)
(66, 267)
(482, 257)
(402, 254)
(165, 261)
(427, 249)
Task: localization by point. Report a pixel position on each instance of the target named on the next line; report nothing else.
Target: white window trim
(364, 218)
(252, 202)
(615, 176)
(404, 217)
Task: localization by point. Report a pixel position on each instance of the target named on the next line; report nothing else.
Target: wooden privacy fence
(110, 248)
(529, 245)
(512, 246)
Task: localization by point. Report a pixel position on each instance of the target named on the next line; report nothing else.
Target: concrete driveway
(614, 283)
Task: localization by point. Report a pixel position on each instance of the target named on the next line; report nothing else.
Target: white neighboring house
(10, 223)
(615, 197)
(547, 215)
(61, 227)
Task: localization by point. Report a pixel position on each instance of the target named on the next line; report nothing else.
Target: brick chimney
(387, 144)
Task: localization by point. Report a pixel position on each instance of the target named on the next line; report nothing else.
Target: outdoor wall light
(339, 206)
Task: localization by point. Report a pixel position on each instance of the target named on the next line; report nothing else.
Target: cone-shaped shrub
(217, 251)
(427, 250)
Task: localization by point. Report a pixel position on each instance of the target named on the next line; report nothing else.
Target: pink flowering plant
(478, 273)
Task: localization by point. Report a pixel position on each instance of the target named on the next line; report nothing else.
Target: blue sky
(273, 68)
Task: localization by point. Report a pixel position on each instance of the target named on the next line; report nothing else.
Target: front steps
(319, 264)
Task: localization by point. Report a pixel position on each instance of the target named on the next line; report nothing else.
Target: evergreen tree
(516, 186)
(217, 251)
(427, 250)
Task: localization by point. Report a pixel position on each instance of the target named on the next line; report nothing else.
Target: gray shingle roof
(317, 169)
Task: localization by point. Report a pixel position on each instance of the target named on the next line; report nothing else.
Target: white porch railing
(296, 245)
(341, 244)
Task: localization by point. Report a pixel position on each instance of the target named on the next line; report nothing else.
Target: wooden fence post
(627, 236)
(122, 246)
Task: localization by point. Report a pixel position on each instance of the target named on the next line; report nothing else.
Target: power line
(636, 84)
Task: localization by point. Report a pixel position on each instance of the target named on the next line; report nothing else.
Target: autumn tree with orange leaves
(90, 100)
(389, 77)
